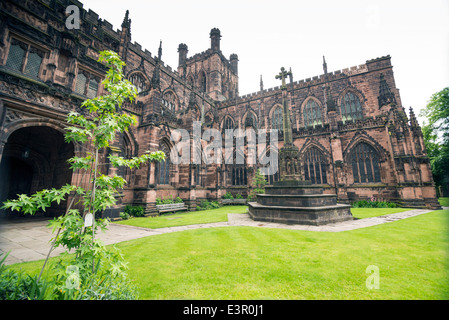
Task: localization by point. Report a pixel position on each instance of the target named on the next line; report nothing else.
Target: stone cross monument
(289, 166)
(292, 200)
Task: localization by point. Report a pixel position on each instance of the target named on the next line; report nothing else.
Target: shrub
(239, 196)
(206, 205)
(178, 200)
(228, 195)
(124, 215)
(373, 204)
(16, 285)
(135, 211)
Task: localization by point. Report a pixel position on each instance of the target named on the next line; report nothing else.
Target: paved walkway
(29, 240)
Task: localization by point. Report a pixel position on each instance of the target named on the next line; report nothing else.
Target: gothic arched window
(163, 166)
(312, 114)
(250, 120)
(228, 123)
(315, 166)
(203, 82)
(140, 83)
(239, 175)
(365, 164)
(169, 101)
(351, 109)
(272, 174)
(277, 119)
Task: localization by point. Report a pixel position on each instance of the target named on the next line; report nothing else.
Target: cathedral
(355, 139)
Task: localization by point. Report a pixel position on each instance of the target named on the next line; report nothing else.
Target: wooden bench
(171, 207)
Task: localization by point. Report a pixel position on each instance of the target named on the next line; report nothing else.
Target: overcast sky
(267, 35)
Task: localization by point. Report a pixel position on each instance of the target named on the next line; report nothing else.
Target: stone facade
(354, 137)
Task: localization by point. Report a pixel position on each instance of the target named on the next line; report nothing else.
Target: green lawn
(444, 202)
(221, 215)
(263, 263)
(362, 213)
(185, 218)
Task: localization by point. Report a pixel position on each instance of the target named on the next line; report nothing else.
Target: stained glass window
(163, 168)
(315, 166)
(169, 101)
(351, 109)
(140, 83)
(365, 164)
(312, 114)
(203, 82)
(277, 119)
(239, 175)
(228, 123)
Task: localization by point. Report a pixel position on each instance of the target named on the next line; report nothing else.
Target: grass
(221, 215)
(263, 263)
(444, 202)
(186, 218)
(362, 213)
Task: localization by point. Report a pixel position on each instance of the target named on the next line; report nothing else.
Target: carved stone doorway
(34, 158)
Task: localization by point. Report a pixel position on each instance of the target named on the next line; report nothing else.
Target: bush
(206, 205)
(228, 195)
(373, 204)
(135, 211)
(124, 215)
(239, 196)
(168, 200)
(16, 285)
(178, 200)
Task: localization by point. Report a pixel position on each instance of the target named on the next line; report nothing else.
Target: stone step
(300, 215)
(293, 190)
(301, 200)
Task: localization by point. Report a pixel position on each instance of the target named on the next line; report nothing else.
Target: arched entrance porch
(34, 158)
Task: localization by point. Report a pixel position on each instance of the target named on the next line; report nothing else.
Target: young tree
(93, 270)
(259, 183)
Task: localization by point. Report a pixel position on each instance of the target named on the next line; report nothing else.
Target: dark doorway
(34, 158)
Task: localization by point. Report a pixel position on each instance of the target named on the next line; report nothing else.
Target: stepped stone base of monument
(298, 202)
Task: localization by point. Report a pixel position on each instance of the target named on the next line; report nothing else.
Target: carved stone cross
(282, 75)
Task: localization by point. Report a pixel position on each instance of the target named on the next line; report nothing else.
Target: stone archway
(34, 158)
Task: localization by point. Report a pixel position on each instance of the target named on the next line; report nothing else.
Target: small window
(16, 55)
(34, 63)
(24, 58)
(92, 89)
(87, 84)
(80, 83)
